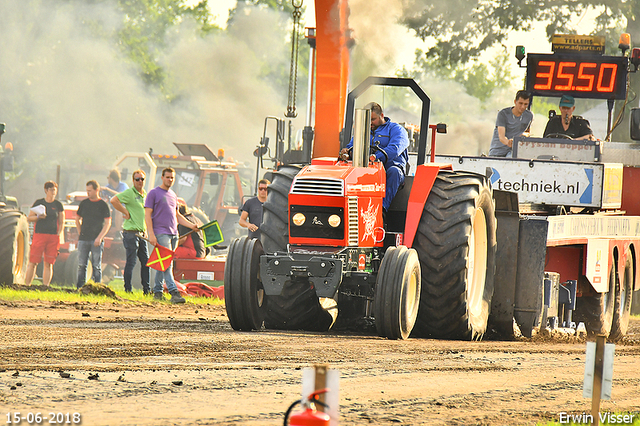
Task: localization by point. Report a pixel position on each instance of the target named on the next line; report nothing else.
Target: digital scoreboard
(578, 75)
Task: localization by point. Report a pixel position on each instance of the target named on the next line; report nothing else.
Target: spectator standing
(114, 186)
(511, 122)
(47, 233)
(130, 203)
(251, 216)
(162, 217)
(93, 221)
(190, 246)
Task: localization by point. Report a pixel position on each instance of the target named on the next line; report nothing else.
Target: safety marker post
(598, 374)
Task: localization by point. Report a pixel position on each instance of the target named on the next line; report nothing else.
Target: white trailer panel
(563, 183)
(600, 233)
(563, 149)
(581, 226)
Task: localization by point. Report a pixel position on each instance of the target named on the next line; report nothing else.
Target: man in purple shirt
(162, 217)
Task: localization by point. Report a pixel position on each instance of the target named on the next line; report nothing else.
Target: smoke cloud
(70, 100)
(379, 39)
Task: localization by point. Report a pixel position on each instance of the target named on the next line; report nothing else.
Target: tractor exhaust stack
(361, 138)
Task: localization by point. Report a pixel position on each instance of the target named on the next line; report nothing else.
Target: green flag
(212, 234)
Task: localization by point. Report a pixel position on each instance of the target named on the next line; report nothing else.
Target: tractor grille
(331, 187)
(353, 221)
(316, 224)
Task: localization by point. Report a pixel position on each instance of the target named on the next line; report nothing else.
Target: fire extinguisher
(310, 416)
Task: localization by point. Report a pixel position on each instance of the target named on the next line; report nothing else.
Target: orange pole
(332, 75)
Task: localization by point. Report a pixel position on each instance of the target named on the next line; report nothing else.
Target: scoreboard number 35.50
(589, 77)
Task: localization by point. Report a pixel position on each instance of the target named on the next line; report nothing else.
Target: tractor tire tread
(442, 243)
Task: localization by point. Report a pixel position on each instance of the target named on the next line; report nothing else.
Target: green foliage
(200, 13)
(542, 106)
(58, 294)
(479, 80)
(279, 5)
(146, 24)
(275, 68)
(462, 29)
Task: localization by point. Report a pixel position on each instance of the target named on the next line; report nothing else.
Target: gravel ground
(158, 364)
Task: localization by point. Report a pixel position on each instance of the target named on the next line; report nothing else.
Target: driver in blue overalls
(391, 139)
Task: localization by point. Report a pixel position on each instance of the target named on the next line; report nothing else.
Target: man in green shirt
(131, 204)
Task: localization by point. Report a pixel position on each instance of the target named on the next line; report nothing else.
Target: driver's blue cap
(567, 101)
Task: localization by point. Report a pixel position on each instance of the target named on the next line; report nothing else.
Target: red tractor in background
(213, 188)
(211, 185)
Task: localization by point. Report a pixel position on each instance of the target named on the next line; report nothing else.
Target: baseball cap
(567, 101)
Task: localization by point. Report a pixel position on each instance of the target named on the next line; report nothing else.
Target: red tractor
(427, 268)
(212, 186)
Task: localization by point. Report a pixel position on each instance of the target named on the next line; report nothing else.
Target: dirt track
(230, 378)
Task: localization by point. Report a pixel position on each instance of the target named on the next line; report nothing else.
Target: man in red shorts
(48, 230)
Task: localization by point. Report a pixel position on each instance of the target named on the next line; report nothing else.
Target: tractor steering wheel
(346, 156)
(376, 148)
(558, 136)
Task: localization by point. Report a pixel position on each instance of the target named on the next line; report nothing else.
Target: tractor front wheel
(397, 293)
(243, 292)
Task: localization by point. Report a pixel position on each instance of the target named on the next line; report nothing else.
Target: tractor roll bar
(394, 82)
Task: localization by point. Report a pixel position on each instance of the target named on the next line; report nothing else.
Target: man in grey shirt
(511, 122)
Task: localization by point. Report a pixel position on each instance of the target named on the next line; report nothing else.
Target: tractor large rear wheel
(622, 306)
(456, 244)
(298, 307)
(597, 310)
(275, 220)
(397, 293)
(14, 247)
(243, 292)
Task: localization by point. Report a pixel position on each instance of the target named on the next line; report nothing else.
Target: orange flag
(160, 258)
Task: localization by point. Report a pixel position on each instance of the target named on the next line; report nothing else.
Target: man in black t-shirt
(48, 215)
(251, 216)
(92, 221)
(566, 123)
